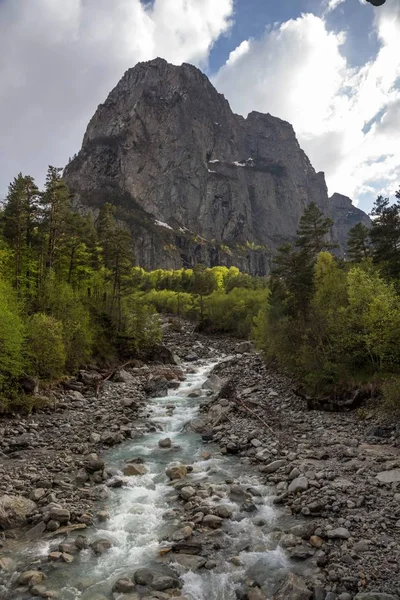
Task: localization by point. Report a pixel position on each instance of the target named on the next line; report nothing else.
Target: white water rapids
(143, 513)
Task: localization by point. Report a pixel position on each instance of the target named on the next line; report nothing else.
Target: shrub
(142, 325)
(46, 350)
(66, 305)
(391, 394)
(11, 342)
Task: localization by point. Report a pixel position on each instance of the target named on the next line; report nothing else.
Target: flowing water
(144, 512)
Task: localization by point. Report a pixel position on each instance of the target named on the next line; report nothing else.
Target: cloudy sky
(330, 67)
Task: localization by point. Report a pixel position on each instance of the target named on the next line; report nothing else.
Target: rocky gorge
(126, 491)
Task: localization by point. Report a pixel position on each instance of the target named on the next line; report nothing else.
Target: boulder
(300, 484)
(164, 582)
(31, 578)
(340, 533)
(143, 576)
(176, 472)
(392, 476)
(182, 534)
(187, 492)
(292, 587)
(100, 546)
(165, 443)
(274, 466)
(14, 510)
(162, 354)
(124, 586)
(93, 463)
(134, 470)
(212, 521)
(213, 383)
(243, 347)
(123, 376)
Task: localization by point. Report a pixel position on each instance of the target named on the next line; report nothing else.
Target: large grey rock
(167, 150)
(392, 476)
(292, 587)
(300, 484)
(341, 533)
(14, 510)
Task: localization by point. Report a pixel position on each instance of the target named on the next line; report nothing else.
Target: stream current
(145, 512)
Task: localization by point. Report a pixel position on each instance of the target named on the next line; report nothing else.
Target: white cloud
(298, 71)
(60, 59)
(333, 4)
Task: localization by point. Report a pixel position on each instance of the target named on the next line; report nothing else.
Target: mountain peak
(193, 181)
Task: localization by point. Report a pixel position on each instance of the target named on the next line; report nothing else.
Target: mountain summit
(192, 180)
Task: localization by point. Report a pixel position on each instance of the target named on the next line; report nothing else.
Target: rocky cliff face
(193, 181)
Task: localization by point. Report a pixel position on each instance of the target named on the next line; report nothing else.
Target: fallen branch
(256, 416)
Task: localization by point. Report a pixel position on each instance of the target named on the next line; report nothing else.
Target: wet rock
(223, 511)
(301, 552)
(190, 562)
(124, 586)
(256, 594)
(164, 583)
(93, 463)
(134, 469)
(341, 533)
(14, 510)
(205, 455)
(300, 484)
(100, 546)
(213, 383)
(81, 542)
(292, 587)
(59, 514)
(165, 443)
(42, 592)
(212, 521)
(156, 387)
(31, 578)
(191, 357)
(182, 534)
(187, 492)
(143, 576)
(176, 472)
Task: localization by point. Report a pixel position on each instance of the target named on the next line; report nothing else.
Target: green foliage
(143, 325)
(335, 326)
(12, 333)
(45, 346)
(385, 236)
(61, 301)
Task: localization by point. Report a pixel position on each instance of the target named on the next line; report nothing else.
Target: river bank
(322, 469)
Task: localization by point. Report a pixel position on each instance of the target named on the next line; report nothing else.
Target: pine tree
(313, 230)
(55, 204)
(20, 219)
(385, 235)
(358, 243)
(118, 256)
